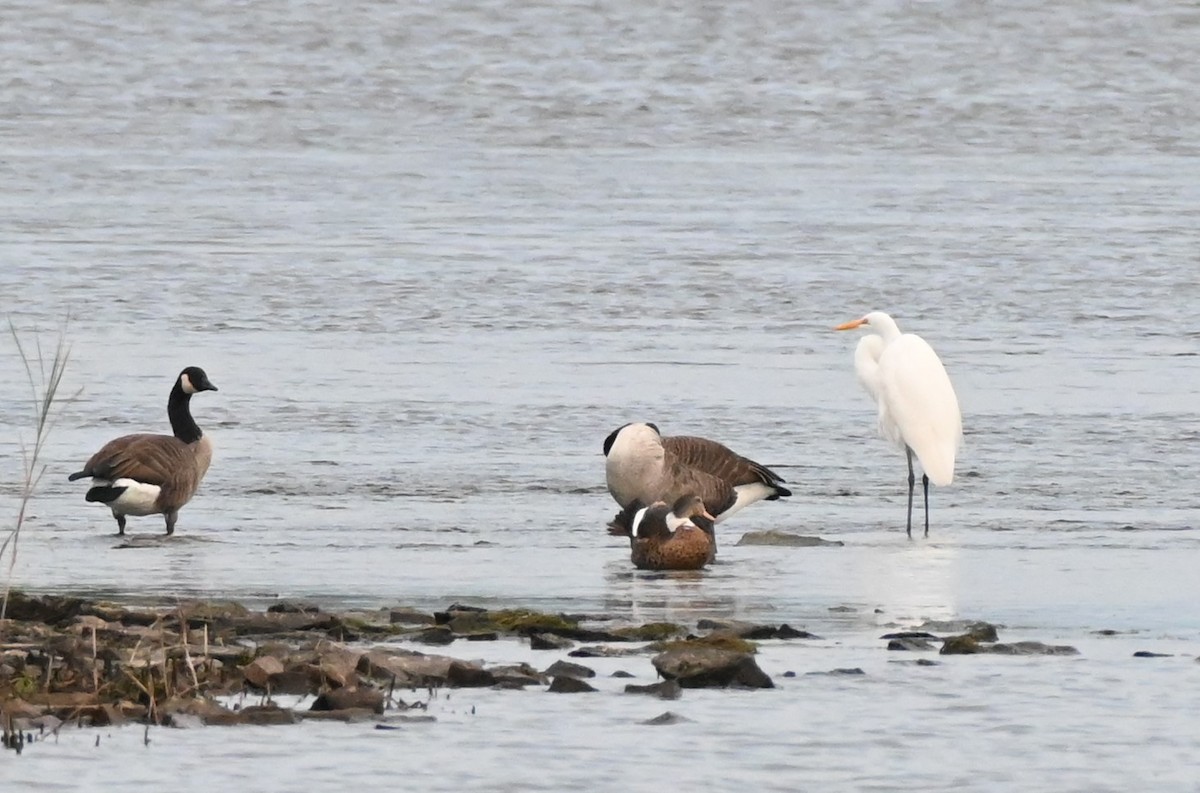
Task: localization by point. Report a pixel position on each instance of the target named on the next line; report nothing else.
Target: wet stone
(293, 607)
(569, 685)
(666, 719)
(1149, 654)
(665, 689)
(547, 641)
(1032, 648)
(961, 645)
(910, 635)
(909, 645)
(464, 674)
(786, 539)
(261, 670)
(407, 616)
(568, 669)
(701, 667)
(621, 673)
(340, 699)
(852, 671)
(436, 635)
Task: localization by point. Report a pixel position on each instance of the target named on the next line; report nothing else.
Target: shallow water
(433, 255)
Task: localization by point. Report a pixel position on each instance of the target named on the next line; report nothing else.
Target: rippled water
(432, 254)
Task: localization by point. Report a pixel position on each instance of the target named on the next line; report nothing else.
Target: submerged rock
(339, 699)
(665, 719)
(548, 641)
(1032, 648)
(698, 666)
(786, 539)
(568, 669)
(961, 645)
(852, 671)
(977, 629)
(665, 689)
(569, 685)
(750, 630)
(604, 651)
(1149, 654)
(912, 645)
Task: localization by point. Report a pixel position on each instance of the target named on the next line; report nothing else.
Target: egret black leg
(925, 484)
(912, 482)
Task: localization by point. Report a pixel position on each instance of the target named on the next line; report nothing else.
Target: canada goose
(642, 465)
(667, 538)
(148, 474)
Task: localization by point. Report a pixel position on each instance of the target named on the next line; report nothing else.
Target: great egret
(918, 410)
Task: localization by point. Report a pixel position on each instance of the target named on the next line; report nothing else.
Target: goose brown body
(641, 465)
(147, 474)
(667, 538)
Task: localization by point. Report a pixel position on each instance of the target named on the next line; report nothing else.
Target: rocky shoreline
(68, 660)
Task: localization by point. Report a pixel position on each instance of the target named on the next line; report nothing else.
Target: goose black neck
(180, 412)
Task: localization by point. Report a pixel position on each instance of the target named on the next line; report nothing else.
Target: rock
(667, 718)
(650, 632)
(624, 674)
(1106, 632)
(568, 669)
(547, 641)
(977, 629)
(699, 667)
(912, 645)
(407, 616)
(961, 645)
(604, 651)
(1032, 648)
(749, 630)
(852, 671)
(337, 665)
(255, 714)
(349, 715)
(569, 685)
(517, 676)
(666, 689)
(786, 539)
(786, 631)
(480, 636)
(463, 674)
(439, 634)
(293, 607)
(259, 672)
(48, 609)
(716, 641)
(1149, 654)
(917, 662)
(909, 635)
(341, 699)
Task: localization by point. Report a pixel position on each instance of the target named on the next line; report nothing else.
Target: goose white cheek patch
(185, 382)
(637, 521)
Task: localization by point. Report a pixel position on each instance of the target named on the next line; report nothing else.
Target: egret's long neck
(886, 327)
(180, 413)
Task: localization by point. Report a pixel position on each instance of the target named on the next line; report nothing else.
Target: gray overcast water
(432, 253)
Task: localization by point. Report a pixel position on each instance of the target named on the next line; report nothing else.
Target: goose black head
(193, 380)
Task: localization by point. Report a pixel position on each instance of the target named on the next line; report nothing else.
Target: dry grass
(45, 376)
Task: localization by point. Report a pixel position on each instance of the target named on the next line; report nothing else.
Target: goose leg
(925, 484)
(912, 482)
(171, 518)
(120, 524)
